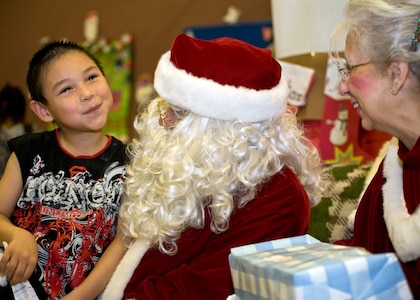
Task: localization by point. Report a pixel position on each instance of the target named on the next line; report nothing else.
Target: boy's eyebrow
(93, 67)
(87, 70)
(59, 83)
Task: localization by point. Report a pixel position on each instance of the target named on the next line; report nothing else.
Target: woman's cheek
(359, 83)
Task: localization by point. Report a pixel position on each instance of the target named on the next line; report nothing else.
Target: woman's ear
(399, 74)
(41, 111)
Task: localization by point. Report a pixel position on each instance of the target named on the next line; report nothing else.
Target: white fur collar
(124, 271)
(403, 228)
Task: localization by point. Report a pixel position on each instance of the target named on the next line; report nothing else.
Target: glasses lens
(343, 73)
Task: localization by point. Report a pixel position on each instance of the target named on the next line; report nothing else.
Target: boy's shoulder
(36, 136)
(117, 142)
(32, 140)
(118, 145)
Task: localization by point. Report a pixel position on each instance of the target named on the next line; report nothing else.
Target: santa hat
(222, 79)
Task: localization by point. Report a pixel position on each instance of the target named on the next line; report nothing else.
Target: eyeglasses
(347, 69)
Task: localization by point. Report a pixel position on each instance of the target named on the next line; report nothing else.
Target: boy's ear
(41, 111)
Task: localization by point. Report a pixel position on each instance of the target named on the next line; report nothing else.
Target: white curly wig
(233, 133)
(202, 163)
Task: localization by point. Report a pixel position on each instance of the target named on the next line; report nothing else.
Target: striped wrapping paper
(305, 268)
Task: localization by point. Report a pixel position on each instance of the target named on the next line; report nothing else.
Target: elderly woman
(381, 74)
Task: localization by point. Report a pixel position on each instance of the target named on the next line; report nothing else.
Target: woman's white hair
(384, 31)
(202, 163)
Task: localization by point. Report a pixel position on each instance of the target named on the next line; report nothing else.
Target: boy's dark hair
(43, 58)
(12, 104)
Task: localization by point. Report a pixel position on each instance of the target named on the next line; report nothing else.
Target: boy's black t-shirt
(70, 204)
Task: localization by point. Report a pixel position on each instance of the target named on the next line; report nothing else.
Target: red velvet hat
(222, 79)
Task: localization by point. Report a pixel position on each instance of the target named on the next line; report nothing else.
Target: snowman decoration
(338, 133)
(91, 27)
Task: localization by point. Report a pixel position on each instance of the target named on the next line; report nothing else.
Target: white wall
(303, 26)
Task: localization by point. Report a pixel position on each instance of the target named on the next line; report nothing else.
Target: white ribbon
(22, 290)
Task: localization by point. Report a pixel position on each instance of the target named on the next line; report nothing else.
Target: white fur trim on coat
(403, 228)
(210, 99)
(124, 271)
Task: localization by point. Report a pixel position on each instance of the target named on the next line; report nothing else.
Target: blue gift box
(305, 268)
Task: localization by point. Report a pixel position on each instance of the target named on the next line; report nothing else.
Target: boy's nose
(86, 94)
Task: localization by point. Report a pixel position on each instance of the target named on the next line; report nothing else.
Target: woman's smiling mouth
(355, 104)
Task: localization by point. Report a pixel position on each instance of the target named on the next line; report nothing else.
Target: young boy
(61, 190)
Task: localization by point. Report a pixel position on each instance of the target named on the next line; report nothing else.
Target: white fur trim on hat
(210, 99)
(403, 228)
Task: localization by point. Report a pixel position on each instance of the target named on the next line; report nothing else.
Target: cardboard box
(305, 268)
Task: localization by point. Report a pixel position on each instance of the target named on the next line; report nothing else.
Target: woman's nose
(343, 88)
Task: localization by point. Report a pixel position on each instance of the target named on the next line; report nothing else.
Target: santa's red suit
(200, 268)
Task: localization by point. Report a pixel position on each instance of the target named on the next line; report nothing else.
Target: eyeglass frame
(346, 69)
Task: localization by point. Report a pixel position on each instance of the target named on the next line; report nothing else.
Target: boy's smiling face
(78, 95)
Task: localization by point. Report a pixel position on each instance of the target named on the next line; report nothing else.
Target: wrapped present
(305, 268)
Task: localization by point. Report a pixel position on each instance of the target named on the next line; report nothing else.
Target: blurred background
(129, 36)
(26, 25)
